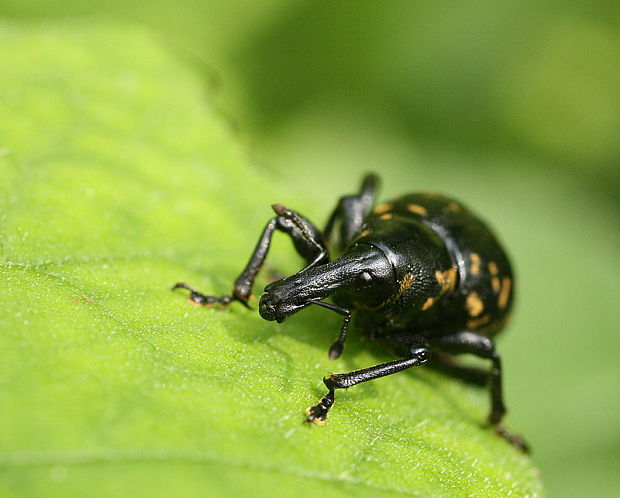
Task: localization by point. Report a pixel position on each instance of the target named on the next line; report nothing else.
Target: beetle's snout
(268, 309)
(276, 305)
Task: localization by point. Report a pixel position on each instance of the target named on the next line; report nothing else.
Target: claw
(183, 285)
(517, 441)
(197, 298)
(318, 412)
(313, 414)
(244, 302)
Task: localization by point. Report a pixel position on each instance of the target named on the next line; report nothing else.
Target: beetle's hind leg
(446, 364)
(318, 413)
(483, 347)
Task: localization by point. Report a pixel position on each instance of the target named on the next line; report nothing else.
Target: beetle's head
(364, 274)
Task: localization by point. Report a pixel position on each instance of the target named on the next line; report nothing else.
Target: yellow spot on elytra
(475, 323)
(386, 216)
(363, 233)
(493, 268)
(428, 303)
(495, 283)
(406, 283)
(453, 206)
(383, 208)
(502, 300)
(475, 263)
(417, 209)
(474, 304)
(446, 279)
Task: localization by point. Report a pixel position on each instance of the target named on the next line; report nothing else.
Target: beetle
(422, 274)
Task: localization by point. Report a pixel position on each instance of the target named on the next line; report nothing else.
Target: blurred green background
(514, 107)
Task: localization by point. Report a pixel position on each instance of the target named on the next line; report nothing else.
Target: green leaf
(120, 178)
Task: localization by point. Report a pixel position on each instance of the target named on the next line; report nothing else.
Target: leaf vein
(95, 457)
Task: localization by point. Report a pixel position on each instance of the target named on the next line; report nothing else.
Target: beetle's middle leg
(318, 413)
(306, 238)
(483, 347)
(351, 211)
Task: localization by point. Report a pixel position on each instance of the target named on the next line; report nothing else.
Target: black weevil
(422, 273)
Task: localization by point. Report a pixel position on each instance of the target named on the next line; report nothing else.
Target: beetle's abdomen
(483, 296)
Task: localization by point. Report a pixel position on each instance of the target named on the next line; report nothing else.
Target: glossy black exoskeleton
(422, 273)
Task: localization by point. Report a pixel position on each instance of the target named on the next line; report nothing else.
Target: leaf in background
(118, 180)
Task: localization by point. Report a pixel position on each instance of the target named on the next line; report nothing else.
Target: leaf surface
(120, 178)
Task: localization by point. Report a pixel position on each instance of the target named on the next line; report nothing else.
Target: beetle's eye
(364, 278)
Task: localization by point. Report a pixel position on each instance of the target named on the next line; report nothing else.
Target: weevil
(422, 274)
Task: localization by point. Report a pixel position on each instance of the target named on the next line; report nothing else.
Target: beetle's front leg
(307, 241)
(199, 299)
(318, 413)
(242, 288)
